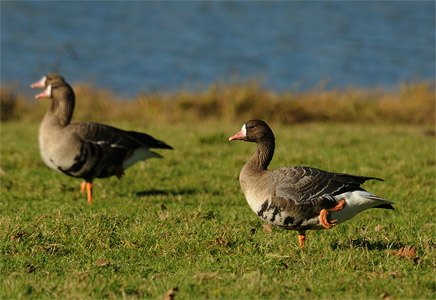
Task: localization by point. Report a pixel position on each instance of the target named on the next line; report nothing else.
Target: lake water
(138, 46)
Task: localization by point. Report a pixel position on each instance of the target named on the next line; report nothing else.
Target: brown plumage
(296, 197)
(86, 150)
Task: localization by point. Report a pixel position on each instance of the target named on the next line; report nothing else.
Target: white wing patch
(106, 143)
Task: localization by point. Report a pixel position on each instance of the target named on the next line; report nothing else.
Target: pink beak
(39, 84)
(45, 94)
(239, 136)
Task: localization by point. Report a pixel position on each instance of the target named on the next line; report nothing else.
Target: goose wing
(306, 183)
(101, 148)
(105, 134)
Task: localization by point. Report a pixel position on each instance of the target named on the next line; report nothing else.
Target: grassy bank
(183, 221)
(409, 104)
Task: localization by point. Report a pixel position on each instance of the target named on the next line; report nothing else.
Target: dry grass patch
(409, 104)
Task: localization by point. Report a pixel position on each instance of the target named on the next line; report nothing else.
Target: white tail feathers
(355, 202)
(140, 154)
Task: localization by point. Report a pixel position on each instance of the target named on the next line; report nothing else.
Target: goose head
(46, 80)
(62, 102)
(254, 131)
(58, 91)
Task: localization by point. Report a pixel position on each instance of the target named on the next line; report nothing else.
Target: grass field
(182, 222)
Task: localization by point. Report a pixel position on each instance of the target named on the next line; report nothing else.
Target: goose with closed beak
(296, 197)
(86, 150)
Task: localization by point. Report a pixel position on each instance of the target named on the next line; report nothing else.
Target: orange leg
(302, 238)
(324, 212)
(88, 187)
(83, 186)
(89, 191)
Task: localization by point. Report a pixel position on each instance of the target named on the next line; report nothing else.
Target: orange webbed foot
(324, 213)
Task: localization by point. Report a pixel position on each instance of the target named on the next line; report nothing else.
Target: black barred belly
(95, 161)
(292, 217)
(77, 169)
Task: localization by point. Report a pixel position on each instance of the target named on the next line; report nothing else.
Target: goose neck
(263, 155)
(61, 111)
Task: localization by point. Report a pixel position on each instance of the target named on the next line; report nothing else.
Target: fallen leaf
(170, 294)
(377, 228)
(407, 252)
(101, 263)
(385, 296)
(267, 228)
(428, 225)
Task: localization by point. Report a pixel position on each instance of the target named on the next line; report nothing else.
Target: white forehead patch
(48, 90)
(244, 130)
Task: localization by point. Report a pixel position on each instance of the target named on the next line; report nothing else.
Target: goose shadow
(156, 192)
(362, 243)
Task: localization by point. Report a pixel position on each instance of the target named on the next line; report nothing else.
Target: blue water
(134, 47)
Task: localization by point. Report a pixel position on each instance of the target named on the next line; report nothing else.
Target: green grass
(183, 221)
